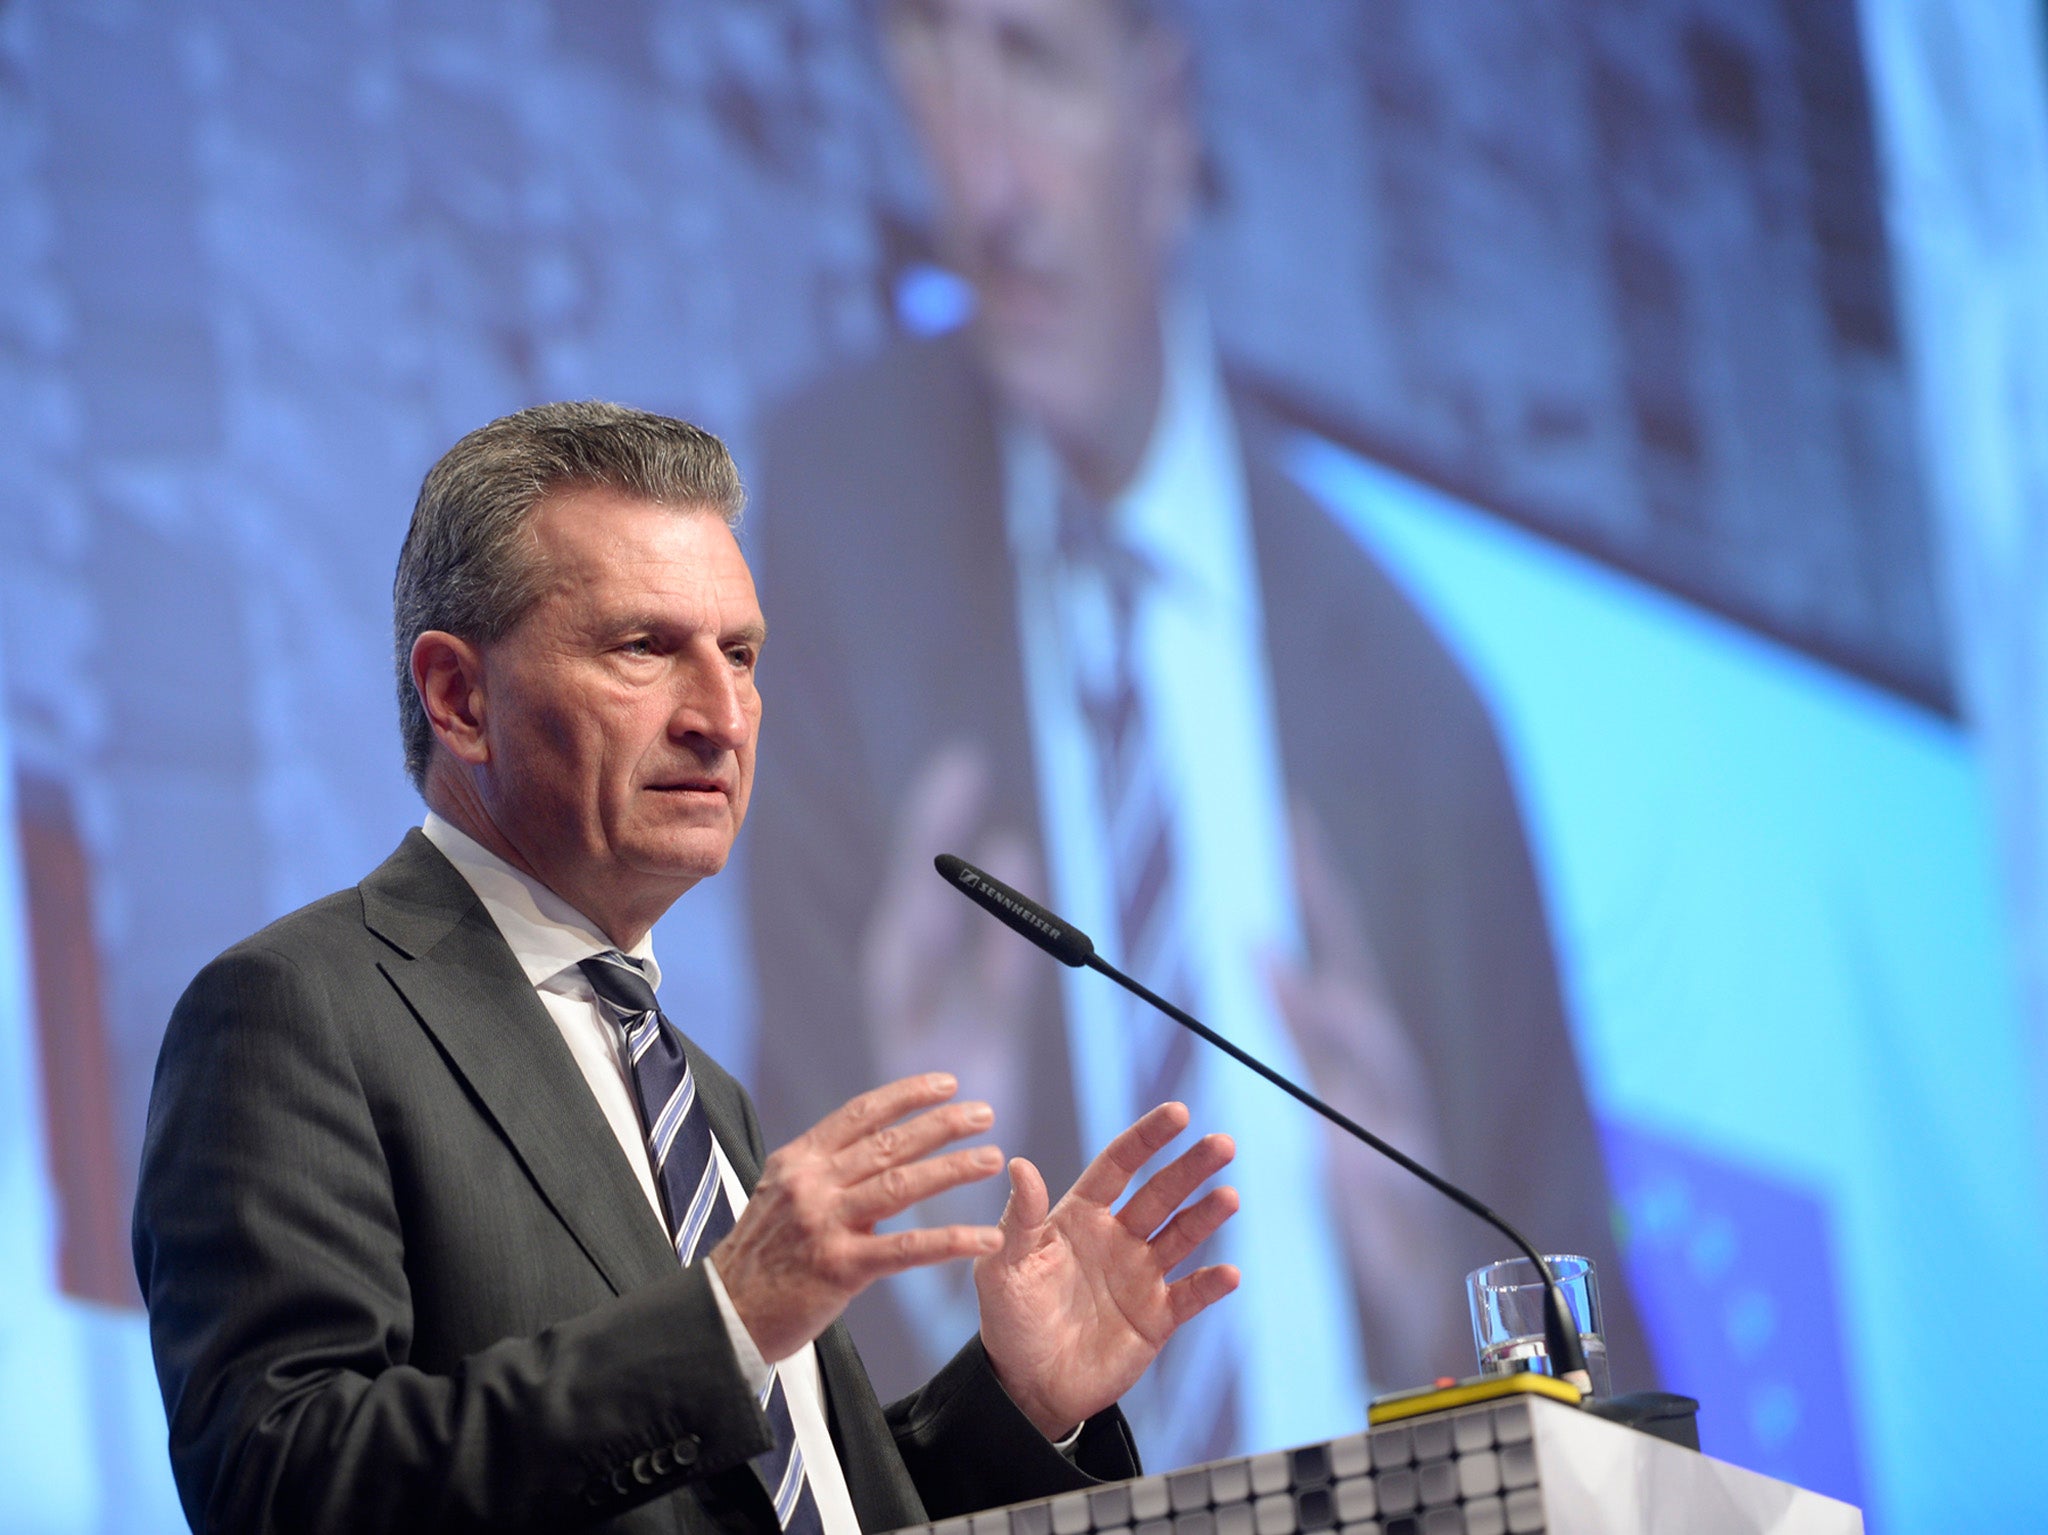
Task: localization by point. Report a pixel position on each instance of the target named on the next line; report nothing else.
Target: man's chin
(1041, 381)
(682, 857)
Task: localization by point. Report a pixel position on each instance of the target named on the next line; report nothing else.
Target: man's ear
(448, 674)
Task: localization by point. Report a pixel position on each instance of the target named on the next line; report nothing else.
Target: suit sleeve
(273, 1260)
(969, 1447)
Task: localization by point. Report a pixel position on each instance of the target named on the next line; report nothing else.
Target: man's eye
(642, 646)
(741, 656)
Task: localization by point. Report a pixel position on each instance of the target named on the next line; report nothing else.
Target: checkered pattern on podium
(1469, 1472)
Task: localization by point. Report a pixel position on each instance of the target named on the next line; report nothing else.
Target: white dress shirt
(550, 939)
(1201, 669)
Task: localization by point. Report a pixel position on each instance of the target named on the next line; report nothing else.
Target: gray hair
(470, 565)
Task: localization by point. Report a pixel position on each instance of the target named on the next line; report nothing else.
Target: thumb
(1025, 1210)
(1295, 991)
(1283, 974)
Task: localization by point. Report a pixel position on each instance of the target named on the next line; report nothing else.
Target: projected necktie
(686, 1172)
(1152, 935)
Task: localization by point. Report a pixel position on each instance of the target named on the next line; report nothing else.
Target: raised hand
(939, 982)
(1075, 1304)
(806, 1243)
(1395, 1229)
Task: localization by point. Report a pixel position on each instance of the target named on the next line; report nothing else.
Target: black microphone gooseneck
(1070, 946)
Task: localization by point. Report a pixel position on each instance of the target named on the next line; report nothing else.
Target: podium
(1522, 1465)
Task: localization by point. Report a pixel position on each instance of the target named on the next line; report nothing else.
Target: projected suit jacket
(401, 1277)
(885, 569)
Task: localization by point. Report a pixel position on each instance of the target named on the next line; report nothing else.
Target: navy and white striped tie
(685, 1170)
(1187, 1403)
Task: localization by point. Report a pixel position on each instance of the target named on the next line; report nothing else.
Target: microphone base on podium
(1665, 1414)
(1448, 1393)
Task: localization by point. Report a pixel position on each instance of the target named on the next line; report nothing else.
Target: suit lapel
(458, 977)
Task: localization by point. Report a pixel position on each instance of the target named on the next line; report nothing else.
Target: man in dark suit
(897, 523)
(409, 1219)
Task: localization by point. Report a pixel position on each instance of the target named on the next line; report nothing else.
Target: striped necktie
(1151, 932)
(686, 1171)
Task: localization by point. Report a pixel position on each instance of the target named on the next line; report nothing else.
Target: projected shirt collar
(1183, 509)
(1202, 668)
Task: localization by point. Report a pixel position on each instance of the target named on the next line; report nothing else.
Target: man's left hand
(1397, 1231)
(1076, 1303)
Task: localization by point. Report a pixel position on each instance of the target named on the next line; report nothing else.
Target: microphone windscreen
(1063, 941)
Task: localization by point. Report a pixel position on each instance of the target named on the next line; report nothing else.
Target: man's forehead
(608, 536)
(1066, 20)
(593, 518)
(595, 499)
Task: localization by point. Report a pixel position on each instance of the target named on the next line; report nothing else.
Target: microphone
(1062, 940)
(1072, 947)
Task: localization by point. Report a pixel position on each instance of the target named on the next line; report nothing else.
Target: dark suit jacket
(884, 562)
(400, 1276)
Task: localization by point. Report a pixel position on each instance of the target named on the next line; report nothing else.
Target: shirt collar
(546, 934)
(1182, 508)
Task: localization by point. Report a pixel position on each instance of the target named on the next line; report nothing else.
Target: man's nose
(977, 145)
(711, 704)
(985, 180)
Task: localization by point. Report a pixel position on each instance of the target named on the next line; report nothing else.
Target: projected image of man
(1155, 681)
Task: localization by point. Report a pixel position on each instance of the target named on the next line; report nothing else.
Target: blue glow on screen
(1776, 912)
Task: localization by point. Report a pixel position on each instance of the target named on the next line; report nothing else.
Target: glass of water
(1507, 1316)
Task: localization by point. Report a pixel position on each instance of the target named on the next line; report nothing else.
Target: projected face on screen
(1058, 135)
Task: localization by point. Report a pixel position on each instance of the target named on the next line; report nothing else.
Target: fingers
(897, 1188)
(1104, 1180)
(878, 1109)
(944, 802)
(1027, 1207)
(1191, 1296)
(1330, 910)
(885, 1163)
(1162, 1193)
(1192, 1227)
(943, 807)
(1005, 968)
(876, 1257)
(915, 919)
(890, 1145)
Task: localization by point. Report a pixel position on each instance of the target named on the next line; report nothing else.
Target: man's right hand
(938, 980)
(806, 1243)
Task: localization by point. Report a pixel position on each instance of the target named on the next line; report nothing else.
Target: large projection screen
(1592, 450)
